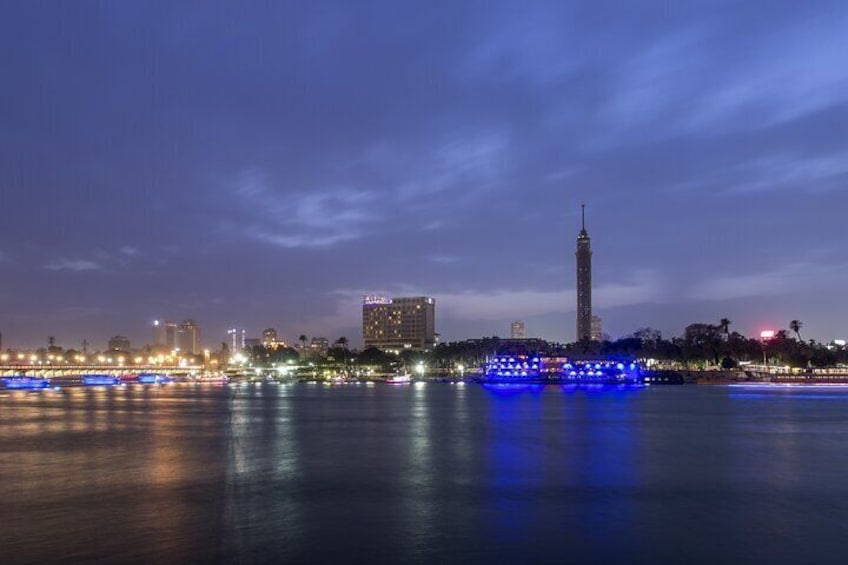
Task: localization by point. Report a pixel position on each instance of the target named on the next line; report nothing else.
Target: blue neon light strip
(100, 380)
(154, 378)
(25, 383)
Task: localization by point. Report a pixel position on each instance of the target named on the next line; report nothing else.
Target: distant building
(252, 342)
(597, 329)
(398, 324)
(119, 343)
(584, 281)
(188, 337)
(165, 334)
(236, 339)
(269, 337)
(516, 330)
(318, 346)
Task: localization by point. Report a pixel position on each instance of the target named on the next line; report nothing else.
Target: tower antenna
(583, 216)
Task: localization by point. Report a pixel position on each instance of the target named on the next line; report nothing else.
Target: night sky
(267, 163)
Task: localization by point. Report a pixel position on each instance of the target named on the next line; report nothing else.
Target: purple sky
(265, 164)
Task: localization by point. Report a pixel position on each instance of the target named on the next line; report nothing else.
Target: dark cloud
(260, 164)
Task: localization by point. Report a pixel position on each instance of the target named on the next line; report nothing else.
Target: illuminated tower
(584, 281)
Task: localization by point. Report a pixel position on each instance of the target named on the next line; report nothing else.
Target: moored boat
(210, 378)
(22, 382)
(153, 378)
(100, 380)
(601, 372)
(399, 378)
(514, 368)
(537, 369)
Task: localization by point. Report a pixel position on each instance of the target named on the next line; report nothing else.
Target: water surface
(432, 473)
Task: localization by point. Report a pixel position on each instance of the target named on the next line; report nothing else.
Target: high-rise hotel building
(236, 339)
(165, 334)
(584, 281)
(188, 337)
(396, 324)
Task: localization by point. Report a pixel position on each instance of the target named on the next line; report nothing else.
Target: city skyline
(154, 168)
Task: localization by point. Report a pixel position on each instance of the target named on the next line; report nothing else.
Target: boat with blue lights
(22, 382)
(153, 378)
(538, 369)
(608, 372)
(515, 369)
(100, 380)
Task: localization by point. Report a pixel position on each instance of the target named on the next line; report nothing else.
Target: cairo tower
(584, 281)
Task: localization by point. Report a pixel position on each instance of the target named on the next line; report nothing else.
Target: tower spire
(583, 232)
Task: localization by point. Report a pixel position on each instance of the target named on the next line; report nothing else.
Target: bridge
(47, 371)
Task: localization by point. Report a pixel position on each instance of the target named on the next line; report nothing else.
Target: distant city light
(767, 334)
(839, 342)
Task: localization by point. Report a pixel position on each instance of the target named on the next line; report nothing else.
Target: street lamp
(420, 369)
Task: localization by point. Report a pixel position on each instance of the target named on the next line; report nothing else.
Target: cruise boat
(210, 378)
(514, 368)
(153, 378)
(100, 380)
(399, 378)
(536, 369)
(837, 375)
(601, 372)
(25, 383)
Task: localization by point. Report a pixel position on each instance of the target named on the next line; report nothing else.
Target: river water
(433, 473)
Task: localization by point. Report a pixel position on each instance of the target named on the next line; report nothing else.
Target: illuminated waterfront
(425, 473)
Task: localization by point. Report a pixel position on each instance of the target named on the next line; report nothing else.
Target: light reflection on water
(438, 472)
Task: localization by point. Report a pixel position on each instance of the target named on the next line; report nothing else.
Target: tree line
(701, 345)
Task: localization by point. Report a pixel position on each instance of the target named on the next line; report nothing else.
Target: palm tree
(342, 342)
(724, 324)
(302, 340)
(795, 326)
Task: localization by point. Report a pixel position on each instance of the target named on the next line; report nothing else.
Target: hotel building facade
(398, 324)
